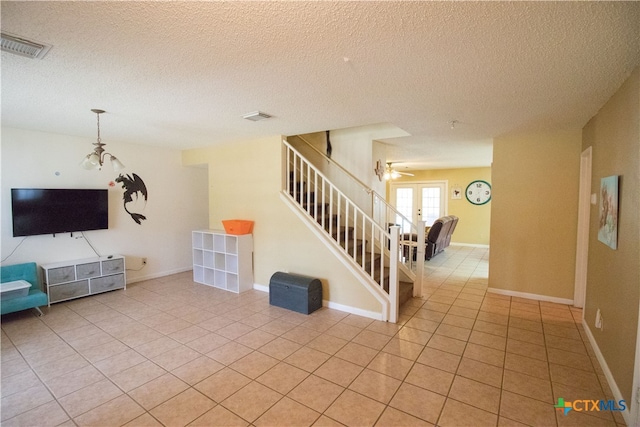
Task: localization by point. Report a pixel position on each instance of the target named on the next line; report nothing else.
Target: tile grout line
(414, 361)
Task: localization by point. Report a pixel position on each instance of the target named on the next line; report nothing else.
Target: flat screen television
(49, 211)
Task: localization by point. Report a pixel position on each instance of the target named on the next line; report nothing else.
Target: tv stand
(78, 278)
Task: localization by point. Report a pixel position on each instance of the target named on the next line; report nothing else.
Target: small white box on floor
(17, 288)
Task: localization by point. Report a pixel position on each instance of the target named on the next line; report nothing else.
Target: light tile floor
(172, 352)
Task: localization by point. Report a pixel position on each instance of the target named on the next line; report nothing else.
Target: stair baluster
(336, 217)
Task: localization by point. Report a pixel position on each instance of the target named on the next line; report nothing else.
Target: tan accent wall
(534, 213)
(475, 221)
(613, 277)
(244, 183)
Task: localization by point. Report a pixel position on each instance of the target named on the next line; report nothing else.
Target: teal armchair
(34, 299)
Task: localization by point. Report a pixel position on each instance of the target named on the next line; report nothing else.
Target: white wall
(356, 150)
(379, 185)
(177, 202)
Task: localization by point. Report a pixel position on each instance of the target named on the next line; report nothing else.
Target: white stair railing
(365, 244)
(384, 215)
(411, 253)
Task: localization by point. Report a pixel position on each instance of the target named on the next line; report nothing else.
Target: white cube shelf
(222, 260)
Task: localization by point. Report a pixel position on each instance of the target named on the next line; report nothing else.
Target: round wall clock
(478, 192)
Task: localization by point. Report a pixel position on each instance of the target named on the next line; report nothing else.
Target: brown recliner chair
(437, 239)
(439, 235)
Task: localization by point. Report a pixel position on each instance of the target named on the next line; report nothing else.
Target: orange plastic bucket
(237, 226)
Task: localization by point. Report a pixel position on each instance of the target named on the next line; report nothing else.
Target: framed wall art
(456, 192)
(608, 211)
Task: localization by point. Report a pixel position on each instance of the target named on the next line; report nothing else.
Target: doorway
(420, 201)
(582, 244)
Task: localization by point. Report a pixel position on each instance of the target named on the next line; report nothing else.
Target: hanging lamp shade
(95, 159)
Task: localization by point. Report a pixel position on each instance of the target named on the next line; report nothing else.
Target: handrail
(346, 225)
(404, 222)
(389, 216)
(364, 186)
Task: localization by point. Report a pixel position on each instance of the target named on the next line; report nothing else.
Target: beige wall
(474, 223)
(613, 283)
(534, 213)
(244, 182)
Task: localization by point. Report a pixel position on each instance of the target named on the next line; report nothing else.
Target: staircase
(371, 251)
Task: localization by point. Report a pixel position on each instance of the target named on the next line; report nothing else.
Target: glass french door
(424, 201)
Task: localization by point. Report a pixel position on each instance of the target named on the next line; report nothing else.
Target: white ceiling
(181, 74)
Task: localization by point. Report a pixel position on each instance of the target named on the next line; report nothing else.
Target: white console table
(223, 260)
(78, 278)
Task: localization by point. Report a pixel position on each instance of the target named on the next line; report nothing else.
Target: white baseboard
(157, 275)
(261, 288)
(472, 245)
(530, 296)
(607, 373)
(335, 306)
(352, 310)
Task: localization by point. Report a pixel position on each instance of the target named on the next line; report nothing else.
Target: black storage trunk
(294, 292)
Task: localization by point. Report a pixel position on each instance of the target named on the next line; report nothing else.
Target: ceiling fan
(391, 173)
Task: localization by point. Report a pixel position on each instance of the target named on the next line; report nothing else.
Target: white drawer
(68, 291)
(112, 266)
(87, 271)
(107, 283)
(61, 275)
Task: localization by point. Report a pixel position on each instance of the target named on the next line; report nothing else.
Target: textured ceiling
(181, 74)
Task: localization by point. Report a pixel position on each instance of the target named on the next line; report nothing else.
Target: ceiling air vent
(22, 47)
(256, 115)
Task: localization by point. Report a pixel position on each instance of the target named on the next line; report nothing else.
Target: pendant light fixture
(95, 159)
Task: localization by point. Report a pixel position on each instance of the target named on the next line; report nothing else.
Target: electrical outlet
(144, 261)
(599, 321)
